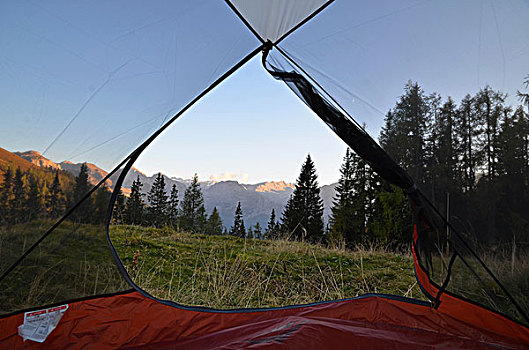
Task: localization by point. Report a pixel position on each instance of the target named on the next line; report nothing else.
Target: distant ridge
(95, 173)
(37, 159)
(46, 170)
(8, 158)
(257, 200)
(274, 186)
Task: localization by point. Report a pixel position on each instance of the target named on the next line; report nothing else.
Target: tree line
(476, 151)
(162, 209)
(29, 195)
(301, 219)
(366, 209)
(472, 156)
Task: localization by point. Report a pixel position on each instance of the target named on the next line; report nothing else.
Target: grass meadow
(224, 271)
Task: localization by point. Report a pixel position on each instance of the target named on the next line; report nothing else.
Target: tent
(125, 71)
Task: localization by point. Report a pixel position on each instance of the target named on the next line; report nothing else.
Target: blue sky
(251, 124)
(87, 81)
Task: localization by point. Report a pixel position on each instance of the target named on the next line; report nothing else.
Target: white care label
(39, 324)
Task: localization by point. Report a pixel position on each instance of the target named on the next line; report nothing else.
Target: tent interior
(431, 96)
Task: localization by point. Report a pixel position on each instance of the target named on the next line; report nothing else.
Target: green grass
(230, 272)
(74, 261)
(514, 275)
(222, 271)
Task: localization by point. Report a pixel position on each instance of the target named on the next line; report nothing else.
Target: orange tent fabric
(132, 320)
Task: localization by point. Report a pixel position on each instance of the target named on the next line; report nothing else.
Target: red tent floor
(131, 320)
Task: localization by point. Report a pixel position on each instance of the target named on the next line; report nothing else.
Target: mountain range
(10, 160)
(257, 200)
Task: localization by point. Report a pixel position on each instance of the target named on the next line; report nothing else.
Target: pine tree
(133, 214)
(431, 144)
(513, 198)
(404, 133)
(119, 209)
(446, 146)
(272, 228)
(55, 201)
(257, 231)
(387, 137)
(158, 205)
(511, 153)
(34, 203)
(193, 213)
(302, 217)
(101, 202)
(489, 106)
(201, 220)
(18, 203)
(467, 130)
(524, 98)
(84, 213)
(350, 211)
(214, 225)
(6, 197)
(238, 228)
(391, 222)
(443, 174)
(172, 206)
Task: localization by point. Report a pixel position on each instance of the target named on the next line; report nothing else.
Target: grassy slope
(229, 272)
(11, 160)
(216, 271)
(74, 261)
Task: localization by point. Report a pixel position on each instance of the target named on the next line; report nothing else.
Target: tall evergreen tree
(119, 209)
(55, 201)
(444, 175)
(303, 213)
(431, 138)
(391, 223)
(101, 201)
(214, 225)
(273, 227)
(489, 106)
(238, 228)
(522, 96)
(84, 213)
(352, 203)
(513, 188)
(524, 99)
(467, 131)
(172, 206)
(134, 208)
(447, 143)
(6, 197)
(404, 132)
(201, 220)
(257, 231)
(512, 158)
(158, 205)
(193, 213)
(34, 201)
(18, 208)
